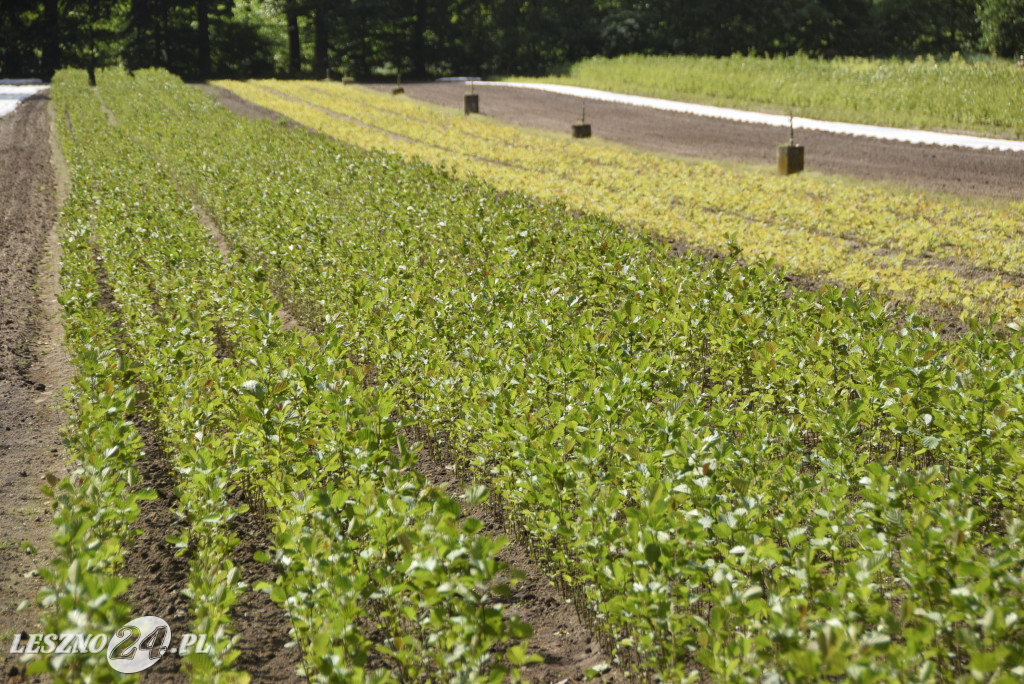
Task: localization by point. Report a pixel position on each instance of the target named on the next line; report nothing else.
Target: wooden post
(791, 159)
(791, 155)
(581, 130)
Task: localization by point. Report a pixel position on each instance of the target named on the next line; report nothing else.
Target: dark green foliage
(382, 39)
(911, 27)
(21, 37)
(242, 49)
(1002, 26)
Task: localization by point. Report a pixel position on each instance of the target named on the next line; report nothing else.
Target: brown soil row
(934, 168)
(32, 364)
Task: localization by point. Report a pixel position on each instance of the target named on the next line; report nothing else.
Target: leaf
(253, 388)
(652, 552)
(519, 629)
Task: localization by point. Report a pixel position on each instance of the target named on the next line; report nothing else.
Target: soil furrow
(159, 575)
(111, 119)
(33, 365)
(262, 626)
(560, 637)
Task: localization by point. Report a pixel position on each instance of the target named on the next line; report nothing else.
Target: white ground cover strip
(861, 130)
(12, 95)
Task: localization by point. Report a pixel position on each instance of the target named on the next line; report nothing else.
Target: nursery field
(944, 254)
(315, 357)
(983, 95)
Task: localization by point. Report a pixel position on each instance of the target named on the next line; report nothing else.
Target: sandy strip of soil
(917, 167)
(33, 365)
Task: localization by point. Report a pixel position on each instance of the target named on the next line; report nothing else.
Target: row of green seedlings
(734, 202)
(379, 579)
(740, 478)
(96, 506)
(118, 183)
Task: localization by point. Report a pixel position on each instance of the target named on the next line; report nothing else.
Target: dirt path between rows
(922, 167)
(33, 364)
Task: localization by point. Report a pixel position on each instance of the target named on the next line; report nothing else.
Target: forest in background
(417, 38)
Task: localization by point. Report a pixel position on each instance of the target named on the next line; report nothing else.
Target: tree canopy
(364, 38)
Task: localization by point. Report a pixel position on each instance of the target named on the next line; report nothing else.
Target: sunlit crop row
(910, 246)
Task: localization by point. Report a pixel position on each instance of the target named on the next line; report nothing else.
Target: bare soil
(241, 106)
(924, 167)
(159, 575)
(33, 367)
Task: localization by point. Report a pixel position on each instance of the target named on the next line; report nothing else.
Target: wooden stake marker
(581, 129)
(791, 155)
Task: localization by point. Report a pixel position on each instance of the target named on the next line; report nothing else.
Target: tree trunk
(51, 44)
(419, 28)
(294, 47)
(90, 40)
(320, 40)
(203, 19)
